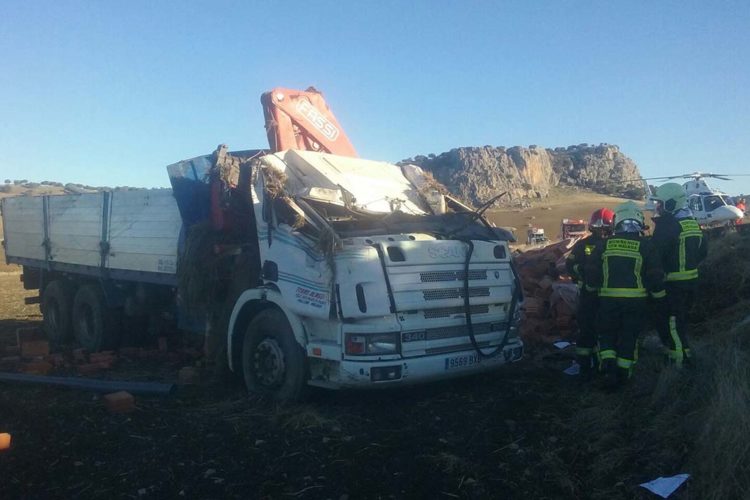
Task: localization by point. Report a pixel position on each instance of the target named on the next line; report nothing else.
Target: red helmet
(602, 219)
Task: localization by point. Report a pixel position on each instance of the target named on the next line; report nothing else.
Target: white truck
(349, 276)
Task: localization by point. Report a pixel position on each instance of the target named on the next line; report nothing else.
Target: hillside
(478, 173)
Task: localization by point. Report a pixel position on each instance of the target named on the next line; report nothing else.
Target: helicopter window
(713, 202)
(695, 204)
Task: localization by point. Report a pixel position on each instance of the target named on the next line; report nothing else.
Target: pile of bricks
(89, 364)
(549, 295)
(31, 354)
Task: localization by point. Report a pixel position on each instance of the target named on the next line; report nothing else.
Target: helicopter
(712, 208)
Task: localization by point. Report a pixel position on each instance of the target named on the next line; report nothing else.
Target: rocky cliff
(476, 174)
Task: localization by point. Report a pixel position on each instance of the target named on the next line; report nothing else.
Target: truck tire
(56, 312)
(273, 363)
(94, 324)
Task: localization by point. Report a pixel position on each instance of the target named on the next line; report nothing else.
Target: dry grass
(671, 421)
(724, 275)
(303, 417)
(693, 420)
(722, 450)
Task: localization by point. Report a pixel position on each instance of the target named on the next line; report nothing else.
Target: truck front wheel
(273, 363)
(56, 312)
(94, 325)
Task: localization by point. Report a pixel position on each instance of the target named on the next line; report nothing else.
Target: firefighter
(625, 268)
(682, 247)
(600, 226)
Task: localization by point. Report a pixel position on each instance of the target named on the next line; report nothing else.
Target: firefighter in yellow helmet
(682, 247)
(625, 269)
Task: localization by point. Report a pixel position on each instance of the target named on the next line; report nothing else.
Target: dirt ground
(527, 431)
(547, 213)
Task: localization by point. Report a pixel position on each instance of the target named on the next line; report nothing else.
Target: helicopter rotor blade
(641, 179)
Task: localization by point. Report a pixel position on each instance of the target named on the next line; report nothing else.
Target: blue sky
(108, 93)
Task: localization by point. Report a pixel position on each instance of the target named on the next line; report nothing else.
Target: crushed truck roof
(371, 186)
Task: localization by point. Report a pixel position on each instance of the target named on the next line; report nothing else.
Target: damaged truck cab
(366, 276)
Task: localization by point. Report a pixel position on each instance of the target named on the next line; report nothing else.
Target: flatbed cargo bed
(131, 235)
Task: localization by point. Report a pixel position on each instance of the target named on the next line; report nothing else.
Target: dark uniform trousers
(621, 320)
(672, 323)
(588, 303)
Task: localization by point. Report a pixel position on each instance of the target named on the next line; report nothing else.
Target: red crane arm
(298, 119)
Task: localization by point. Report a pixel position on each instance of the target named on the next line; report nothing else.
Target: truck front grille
(455, 293)
(447, 332)
(447, 312)
(434, 276)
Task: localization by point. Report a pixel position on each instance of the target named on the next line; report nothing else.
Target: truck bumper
(376, 374)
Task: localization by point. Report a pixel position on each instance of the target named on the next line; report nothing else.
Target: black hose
(467, 307)
(91, 384)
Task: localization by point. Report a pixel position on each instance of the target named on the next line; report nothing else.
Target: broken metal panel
(369, 185)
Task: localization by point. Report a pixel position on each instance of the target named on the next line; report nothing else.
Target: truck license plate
(461, 361)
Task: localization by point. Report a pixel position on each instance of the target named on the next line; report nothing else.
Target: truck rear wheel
(273, 363)
(94, 325)
(56, 312)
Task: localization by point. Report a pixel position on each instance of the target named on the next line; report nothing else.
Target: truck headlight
(364, 344)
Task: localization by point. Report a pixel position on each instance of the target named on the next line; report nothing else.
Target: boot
(688, 361)
(609, 370)
(585, 362)
(623, 375)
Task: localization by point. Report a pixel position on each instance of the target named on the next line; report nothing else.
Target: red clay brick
(102, 357)
(34, 348)
(79, 355)
(28, 335)
(89, 368)
(129, 352)
(56, 359)
(36, 367)
(119, 402)
(5, 440)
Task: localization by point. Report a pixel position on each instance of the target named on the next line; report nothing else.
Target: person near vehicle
(741, 205)
(682, 247)
(600, 226)
(625, 268)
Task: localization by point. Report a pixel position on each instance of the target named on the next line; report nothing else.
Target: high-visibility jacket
(626, 265)
(681, 245)
(581, 252)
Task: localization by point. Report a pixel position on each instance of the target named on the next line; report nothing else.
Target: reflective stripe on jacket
(682, 247)
(627, 266)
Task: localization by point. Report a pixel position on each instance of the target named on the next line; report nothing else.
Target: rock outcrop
(478, 173)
